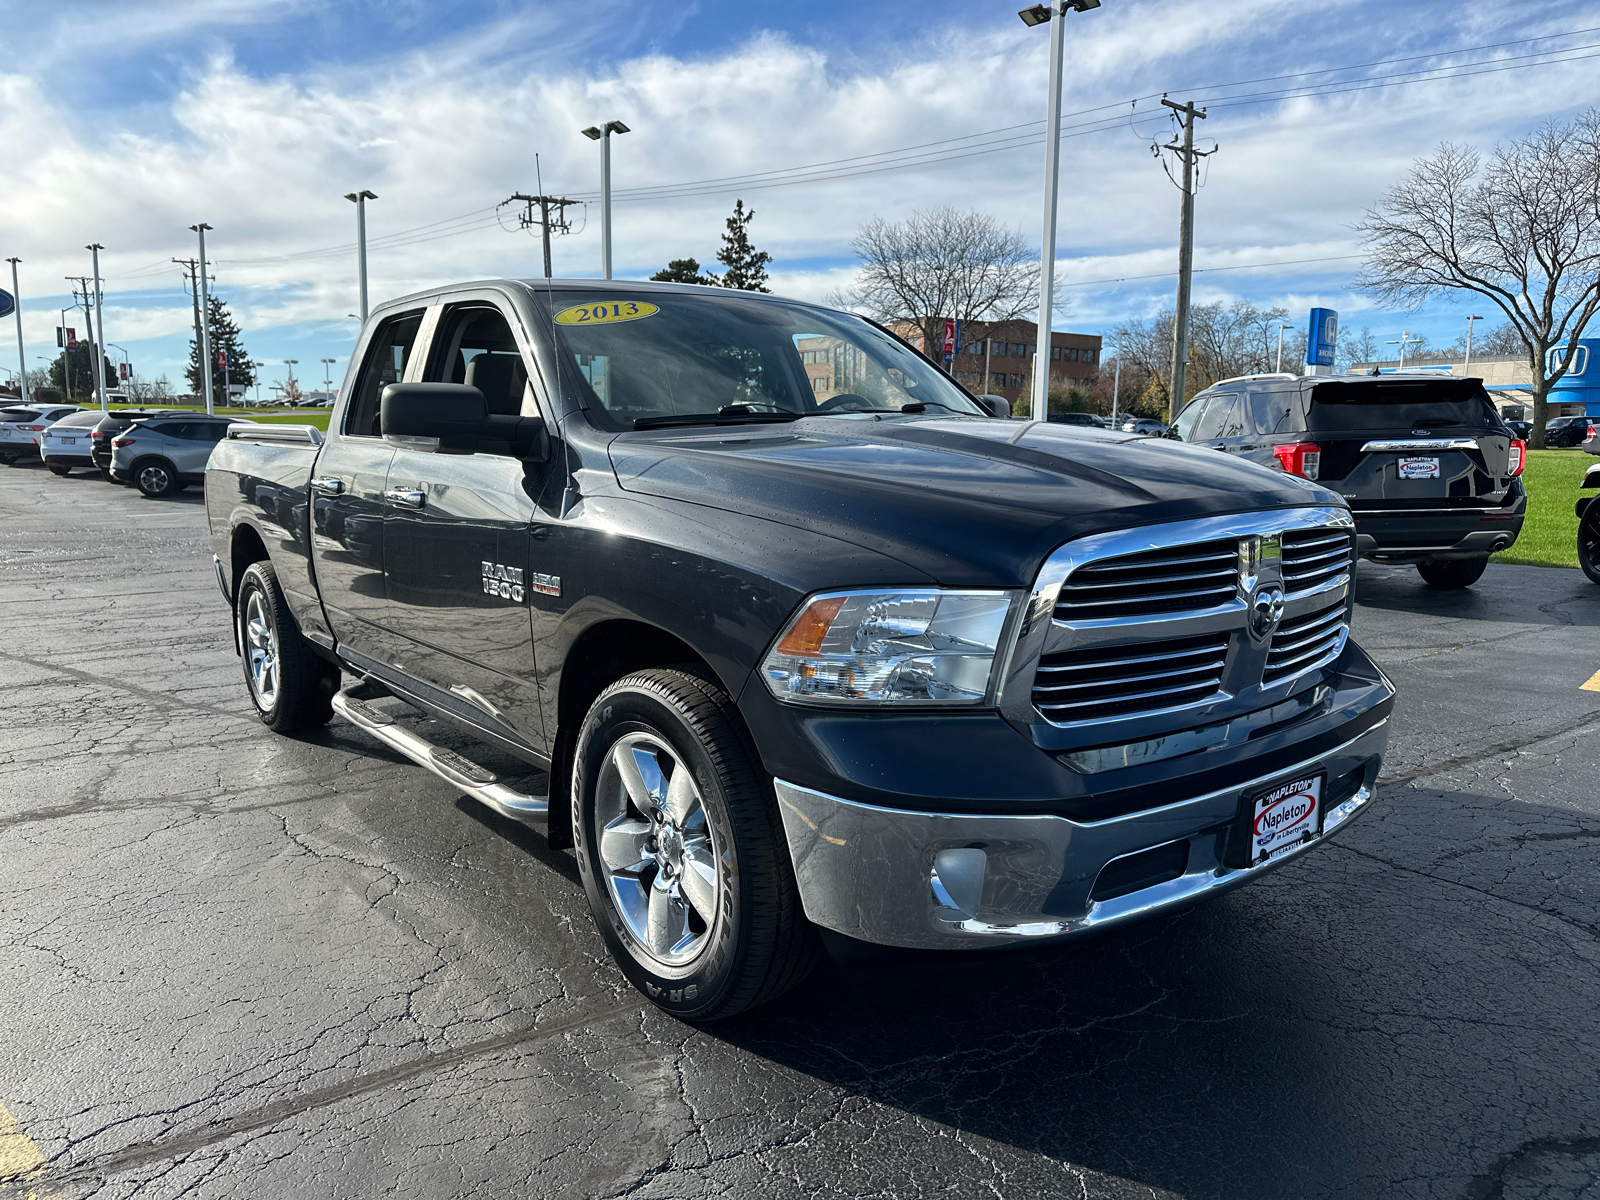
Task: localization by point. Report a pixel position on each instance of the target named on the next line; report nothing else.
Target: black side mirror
(454, 418)
(998, 406)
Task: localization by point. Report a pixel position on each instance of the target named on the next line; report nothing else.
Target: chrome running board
(476, 781)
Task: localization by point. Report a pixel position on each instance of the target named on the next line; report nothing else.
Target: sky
(124, 122)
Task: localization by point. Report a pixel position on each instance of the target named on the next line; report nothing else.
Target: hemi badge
(546, 585)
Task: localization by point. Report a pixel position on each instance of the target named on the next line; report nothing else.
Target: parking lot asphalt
(240, 965)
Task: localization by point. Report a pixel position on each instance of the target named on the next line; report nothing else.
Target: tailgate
(1405, 467)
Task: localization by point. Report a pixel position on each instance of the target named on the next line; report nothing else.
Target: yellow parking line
(1592, 684)
(19, 1157)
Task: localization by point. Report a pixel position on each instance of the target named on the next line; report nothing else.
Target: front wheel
(290, 686)
(681, 849)
(1453, 572)
(1589, 542)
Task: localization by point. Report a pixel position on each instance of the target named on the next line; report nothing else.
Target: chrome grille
(1303, 642)
(1103, 681)
(1312, 557)
(1199, 575)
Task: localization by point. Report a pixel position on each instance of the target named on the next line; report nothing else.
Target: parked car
(802, 634)
(1568, 431)
(113, 423)
(163, 455)
(1088, 420)
(1144, 425)
(1523, 430)
(1430, 470)
(1589, 526)
(21, 425)
(66, 443)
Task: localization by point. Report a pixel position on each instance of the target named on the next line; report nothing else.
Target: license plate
(71, 441)
(1284, 816)
(1419, 468)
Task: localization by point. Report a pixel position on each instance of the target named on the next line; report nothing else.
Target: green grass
(267, 416)
(1550, 534)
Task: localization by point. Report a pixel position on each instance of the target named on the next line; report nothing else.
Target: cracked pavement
(240, 965)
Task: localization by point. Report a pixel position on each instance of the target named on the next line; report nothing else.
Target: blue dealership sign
(8, 304)
(1322, 337)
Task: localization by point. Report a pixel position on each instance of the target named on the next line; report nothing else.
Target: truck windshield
(1424, 403)
(653, 355)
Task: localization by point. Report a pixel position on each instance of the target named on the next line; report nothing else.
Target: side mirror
(998, 406)
(454, 418)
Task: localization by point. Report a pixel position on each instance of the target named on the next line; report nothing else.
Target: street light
(1466, 367)
(1278, 366)
(22, 354)
(359, 199)
(1040, 14)
(327, 373)
(602, 134)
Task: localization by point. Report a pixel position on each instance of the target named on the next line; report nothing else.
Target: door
(1184, 426)
(1278, 419)
(1222, 417)
(457, 542)
(347, 505)
(189, 443)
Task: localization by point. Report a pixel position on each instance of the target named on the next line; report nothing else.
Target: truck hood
(967, 501)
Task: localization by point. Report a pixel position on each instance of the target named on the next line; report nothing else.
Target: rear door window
(1421, 404)
(1189, 417)
(1223, 418)
(387, 357)
(1276, 410)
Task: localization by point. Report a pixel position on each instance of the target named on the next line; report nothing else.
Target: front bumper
(947, 880)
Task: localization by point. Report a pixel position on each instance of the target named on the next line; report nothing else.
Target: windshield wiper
(731, 414)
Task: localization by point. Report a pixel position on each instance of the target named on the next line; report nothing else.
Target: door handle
(328, 485)
(406, 497)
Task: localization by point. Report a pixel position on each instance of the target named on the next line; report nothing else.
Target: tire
(290, 686)
(1453, 572)
(1589, 542)
(155, 477)
(736, 938)
(58, 469)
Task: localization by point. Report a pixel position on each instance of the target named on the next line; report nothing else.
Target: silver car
(163, 455)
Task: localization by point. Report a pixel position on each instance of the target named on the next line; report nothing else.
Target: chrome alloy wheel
(154, 479)
(656, 850)
(261, 651)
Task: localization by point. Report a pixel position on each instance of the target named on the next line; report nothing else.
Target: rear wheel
(155, 478)
(58, 469)
(291, 687)
(682, 853)
(1589, 542)
(1453, 572)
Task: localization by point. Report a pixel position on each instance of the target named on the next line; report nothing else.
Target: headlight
(926, 646)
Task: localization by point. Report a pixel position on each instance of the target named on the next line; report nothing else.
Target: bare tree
(943, 263)
(1360, 348)
(1224, 341)
(1523, 231)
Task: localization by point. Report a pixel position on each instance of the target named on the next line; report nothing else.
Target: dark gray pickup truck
(804, 635)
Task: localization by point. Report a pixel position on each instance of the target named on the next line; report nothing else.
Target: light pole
(327, 373)
(1055, 14)
(22, 355)
(205, 323)
(126, 361)
(602, 134)
(1405, 340)
(360, 200)
(1466, 367)
(1277, 366)
(99, 339)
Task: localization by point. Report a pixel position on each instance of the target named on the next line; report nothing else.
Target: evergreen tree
(224, 336)
(80, 364)
(747, 266)
(684, 270)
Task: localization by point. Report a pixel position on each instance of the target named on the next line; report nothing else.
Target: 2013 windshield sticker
(606, 312)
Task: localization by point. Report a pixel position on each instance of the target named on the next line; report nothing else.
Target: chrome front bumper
(943, 880)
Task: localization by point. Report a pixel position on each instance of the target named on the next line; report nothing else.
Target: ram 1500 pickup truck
(805, 636)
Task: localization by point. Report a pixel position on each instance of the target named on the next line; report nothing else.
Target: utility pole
(100, 325)
(1116, 384)
(1466, 368)
(1180, 327)
(66, 363)
(22, 354)
(359, 199)
(191, 277)
(546, 224)
(88, 319)
(205, 324)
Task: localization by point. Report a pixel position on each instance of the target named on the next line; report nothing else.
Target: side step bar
(477, 782)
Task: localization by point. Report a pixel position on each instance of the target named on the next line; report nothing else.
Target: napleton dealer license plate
(1285, 815)
(1419, 468)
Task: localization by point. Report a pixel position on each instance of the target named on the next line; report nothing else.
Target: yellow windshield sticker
(606, 312)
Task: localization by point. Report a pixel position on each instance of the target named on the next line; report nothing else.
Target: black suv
(1560, 432)
(114, 423)
(1428, 467)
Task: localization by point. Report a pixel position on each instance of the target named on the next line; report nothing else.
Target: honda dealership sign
(1322, 338)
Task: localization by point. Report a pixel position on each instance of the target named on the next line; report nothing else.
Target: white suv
(21, 425)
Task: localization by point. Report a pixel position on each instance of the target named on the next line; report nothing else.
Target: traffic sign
(8, 304)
